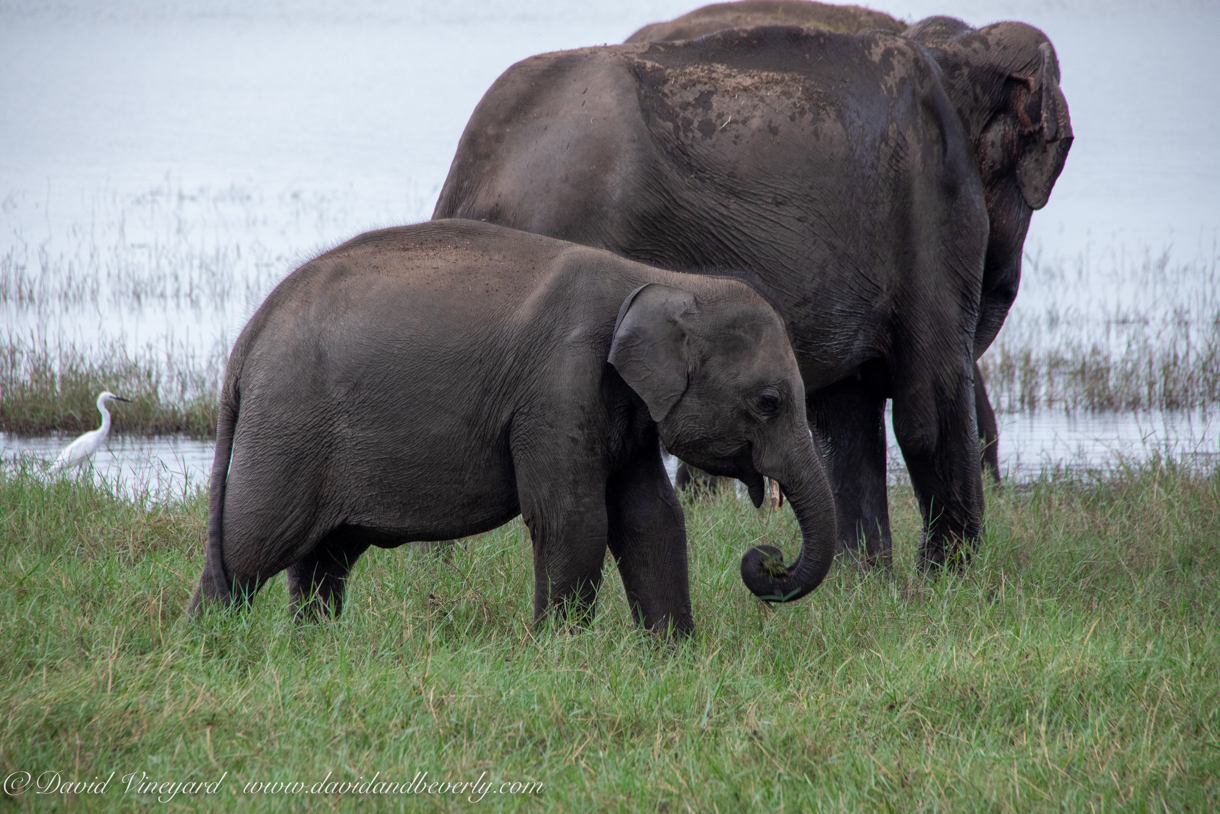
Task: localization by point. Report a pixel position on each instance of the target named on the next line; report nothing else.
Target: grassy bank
(1073, 667)
(45, 389)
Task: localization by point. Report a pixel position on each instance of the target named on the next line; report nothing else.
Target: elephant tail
(226, 423)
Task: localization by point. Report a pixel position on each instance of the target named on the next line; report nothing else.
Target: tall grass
(47, 388)
(1088, 376)
(1110, 333)
(169, 246)
(192, 263)
(1101, 331)
(1072, 667)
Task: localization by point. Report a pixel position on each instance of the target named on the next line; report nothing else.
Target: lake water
(1030, 444)
(163, 165)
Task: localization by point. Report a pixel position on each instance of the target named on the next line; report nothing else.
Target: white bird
(79, 450)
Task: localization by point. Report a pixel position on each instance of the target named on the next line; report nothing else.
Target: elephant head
(719, 377)
(1004, 81)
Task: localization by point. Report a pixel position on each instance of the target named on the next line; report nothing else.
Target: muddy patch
(705, 100)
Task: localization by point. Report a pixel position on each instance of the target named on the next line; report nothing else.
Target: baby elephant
(433, 381)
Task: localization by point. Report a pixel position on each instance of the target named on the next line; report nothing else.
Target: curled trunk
(762, 568)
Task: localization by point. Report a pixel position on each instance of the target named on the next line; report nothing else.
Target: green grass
(1072, 668)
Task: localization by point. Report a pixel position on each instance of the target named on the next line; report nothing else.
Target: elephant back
(751, 13)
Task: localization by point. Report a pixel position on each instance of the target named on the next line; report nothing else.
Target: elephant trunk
(762, 568)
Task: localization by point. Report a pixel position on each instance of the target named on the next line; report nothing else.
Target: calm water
(163, 165)
(1029, 446)
(159, 468)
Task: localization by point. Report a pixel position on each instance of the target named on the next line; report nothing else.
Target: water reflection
(1030, 443)
(1053, 440)
(157, 468)
(171, 466)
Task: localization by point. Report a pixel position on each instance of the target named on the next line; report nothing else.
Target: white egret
(79, 450)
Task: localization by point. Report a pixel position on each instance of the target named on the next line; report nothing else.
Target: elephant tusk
(776, 494)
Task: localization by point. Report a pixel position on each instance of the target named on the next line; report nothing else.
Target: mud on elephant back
(433, 381)
(877, 187)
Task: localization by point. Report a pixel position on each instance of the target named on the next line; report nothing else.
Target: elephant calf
(433, 381)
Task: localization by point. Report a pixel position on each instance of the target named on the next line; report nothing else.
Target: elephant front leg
(934, 422)
(647, 536)
(847, 419)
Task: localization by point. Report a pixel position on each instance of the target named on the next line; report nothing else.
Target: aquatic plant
(48, 388)
(1104, 330)
(1117, 333)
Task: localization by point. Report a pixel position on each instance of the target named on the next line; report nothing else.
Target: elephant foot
(946, 554)
(867, 551)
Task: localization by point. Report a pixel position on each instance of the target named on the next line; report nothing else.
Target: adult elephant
(808, 14)
(876, 189)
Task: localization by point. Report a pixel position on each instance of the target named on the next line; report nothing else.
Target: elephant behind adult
(841, 170)
(844, 20)
(1004, 80)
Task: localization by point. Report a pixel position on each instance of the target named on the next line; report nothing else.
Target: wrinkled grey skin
(846, 20)
(433, 381)
(1004, 81)
(751, 13)
(880, 194)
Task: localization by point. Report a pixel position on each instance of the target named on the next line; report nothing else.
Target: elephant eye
(767, 402)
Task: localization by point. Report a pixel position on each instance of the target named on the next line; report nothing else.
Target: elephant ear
(1042, 157)
(1024, 128)
(650, 345)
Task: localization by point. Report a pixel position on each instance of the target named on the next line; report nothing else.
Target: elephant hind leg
(989, 433)
(248, 553)
(208, 594)
(212, 593)
(227, 581)
(317, 581)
